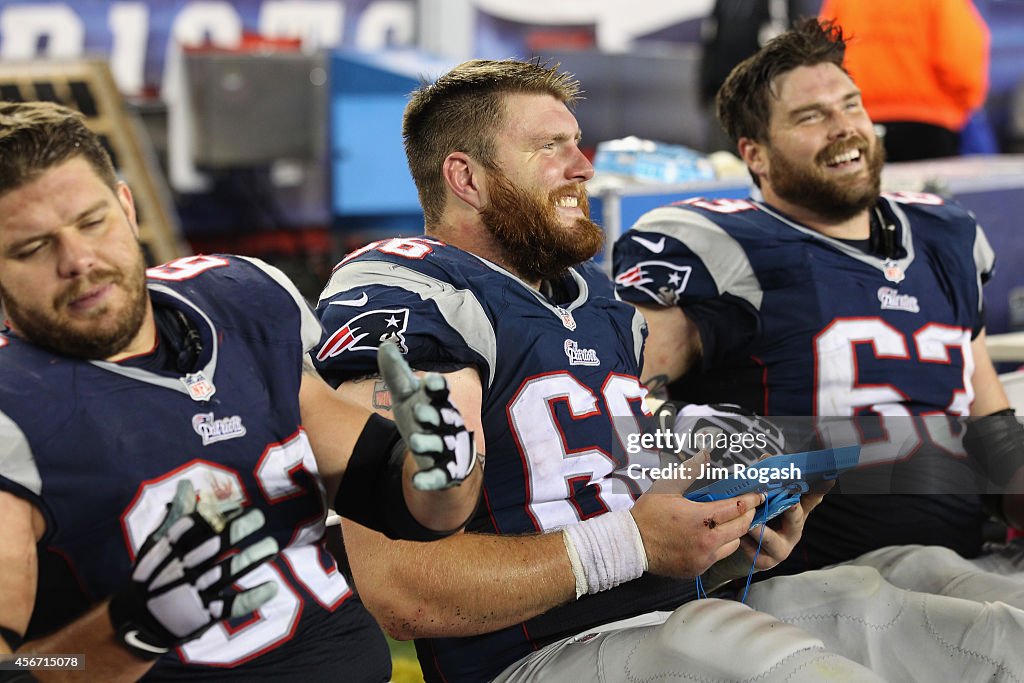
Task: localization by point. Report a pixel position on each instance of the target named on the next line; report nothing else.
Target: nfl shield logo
(567, 320)
(893, 273)
(199, 388)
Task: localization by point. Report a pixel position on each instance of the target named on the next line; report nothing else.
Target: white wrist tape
(577, 565)
(605, 551)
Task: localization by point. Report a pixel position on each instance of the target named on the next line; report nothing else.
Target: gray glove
(181, 583)
(428, 422)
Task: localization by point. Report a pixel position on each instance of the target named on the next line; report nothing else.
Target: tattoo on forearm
(381, 395)
(656, 385)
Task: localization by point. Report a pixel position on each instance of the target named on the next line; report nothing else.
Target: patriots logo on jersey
(661, 280)
(367, 331)
(892, 300)
(578, 356)
(213, 429)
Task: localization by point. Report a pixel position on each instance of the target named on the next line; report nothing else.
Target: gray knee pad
(934, 569)
(704, 639)
(898, 634)
(924, 568)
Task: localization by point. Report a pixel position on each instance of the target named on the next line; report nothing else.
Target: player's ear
(464, 177)
(754, 155)
(127, 202)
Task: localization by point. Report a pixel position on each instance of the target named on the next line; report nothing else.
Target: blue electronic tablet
(782, 478)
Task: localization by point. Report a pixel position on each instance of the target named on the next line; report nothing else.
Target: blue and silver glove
(729, 433)
(428, 422)
(181, 583)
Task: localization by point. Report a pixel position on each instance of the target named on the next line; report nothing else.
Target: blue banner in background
(136, 35)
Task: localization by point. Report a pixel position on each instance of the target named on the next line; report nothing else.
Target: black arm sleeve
(371, 489)
(727, 325)
(11, 637)
(996, 443)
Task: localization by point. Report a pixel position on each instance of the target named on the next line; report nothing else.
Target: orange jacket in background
(923, 61)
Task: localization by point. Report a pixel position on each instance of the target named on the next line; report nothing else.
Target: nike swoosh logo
(361, 301)
(132, 638)
(656, 247)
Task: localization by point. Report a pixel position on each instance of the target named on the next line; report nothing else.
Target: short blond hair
(462, 110)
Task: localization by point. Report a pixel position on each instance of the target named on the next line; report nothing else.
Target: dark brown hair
(743, 103)
(36, 136)
(462, 110)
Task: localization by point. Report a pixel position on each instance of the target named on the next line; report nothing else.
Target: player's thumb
(396, 372)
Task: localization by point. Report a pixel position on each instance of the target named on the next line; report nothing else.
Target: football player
(827, 298)
(499, 295)
(167, 454)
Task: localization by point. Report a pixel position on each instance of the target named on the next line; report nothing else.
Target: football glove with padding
(431, 426)
(181, 583)
(730, 434)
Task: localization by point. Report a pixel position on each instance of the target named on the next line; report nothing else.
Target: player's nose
(75, 255)
(579, 167)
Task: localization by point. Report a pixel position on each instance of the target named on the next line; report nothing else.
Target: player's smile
(844, 161)
(568, 202)
(571, 203)
(568, 206)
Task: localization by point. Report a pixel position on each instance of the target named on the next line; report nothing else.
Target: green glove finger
(425, 443)
(182, 505)
(430, 480)
(254, 554)
(251, 600)
(242, 526)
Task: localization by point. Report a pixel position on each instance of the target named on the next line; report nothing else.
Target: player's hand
(683, 538)
(428, 422)
(782, 533)
(731, 434)
(181, 583)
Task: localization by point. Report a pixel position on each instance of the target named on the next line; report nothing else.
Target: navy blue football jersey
(796, 323)
(99, 448)
(558, 368)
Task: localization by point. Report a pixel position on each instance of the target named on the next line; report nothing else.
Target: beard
(90, 339)
(836, 199)
(535, 244)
